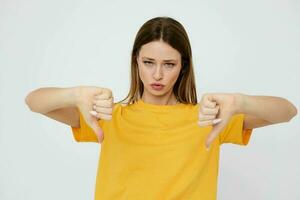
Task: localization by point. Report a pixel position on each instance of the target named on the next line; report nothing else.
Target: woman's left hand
(216, 109)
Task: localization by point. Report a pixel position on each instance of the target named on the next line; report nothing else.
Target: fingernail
(215, 121)
(92, 112)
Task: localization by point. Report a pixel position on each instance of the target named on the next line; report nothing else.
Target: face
(158, 62)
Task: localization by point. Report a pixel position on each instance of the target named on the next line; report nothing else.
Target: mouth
(157, 86)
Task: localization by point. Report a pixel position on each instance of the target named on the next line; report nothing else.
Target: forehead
(159, 50)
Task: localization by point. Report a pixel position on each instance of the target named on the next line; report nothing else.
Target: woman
(161, 143)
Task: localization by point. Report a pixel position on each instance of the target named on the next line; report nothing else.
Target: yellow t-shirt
(157, 152)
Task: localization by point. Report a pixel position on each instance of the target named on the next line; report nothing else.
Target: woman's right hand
(95, 103)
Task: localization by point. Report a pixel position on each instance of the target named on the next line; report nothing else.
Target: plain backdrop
(252, 47)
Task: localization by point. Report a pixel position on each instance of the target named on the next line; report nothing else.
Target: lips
(156, 84)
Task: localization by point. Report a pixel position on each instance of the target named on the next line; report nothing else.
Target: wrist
(240, 103)
(74, 95)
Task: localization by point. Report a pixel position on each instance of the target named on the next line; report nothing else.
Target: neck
(169, 99)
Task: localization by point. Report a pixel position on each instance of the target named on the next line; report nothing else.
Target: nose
(158, 73)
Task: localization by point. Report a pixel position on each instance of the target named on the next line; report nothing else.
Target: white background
(251, 47)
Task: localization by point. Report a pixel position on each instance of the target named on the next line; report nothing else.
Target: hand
(95, 103)
(216, 109)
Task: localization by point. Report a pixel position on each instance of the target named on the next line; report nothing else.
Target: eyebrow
(164, 60)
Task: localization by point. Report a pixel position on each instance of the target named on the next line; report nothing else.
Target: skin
(96, 103)
(154, 68)
(216, 109)
(259, 111)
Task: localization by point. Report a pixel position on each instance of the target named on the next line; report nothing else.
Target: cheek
(142, 74)
(173, 78)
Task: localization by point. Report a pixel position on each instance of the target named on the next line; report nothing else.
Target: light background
(251, 47)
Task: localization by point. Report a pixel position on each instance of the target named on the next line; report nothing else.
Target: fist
(103, 105)
(95, 103)
(208, 113)
(216, 109)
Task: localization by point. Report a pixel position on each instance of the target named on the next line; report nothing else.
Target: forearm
(270, 108)
(44, 100)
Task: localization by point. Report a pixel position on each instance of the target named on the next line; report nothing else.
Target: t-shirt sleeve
(234, 131)
(85, 133)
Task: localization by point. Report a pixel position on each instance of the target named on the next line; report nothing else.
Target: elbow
(293, 111)
(27, 102)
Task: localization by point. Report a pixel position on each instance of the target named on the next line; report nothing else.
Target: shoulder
(120, 104)
(193, 106)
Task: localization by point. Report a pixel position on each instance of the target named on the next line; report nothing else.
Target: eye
(170, 64)
(147, 62)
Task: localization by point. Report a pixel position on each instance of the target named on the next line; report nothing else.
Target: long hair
(173, 33)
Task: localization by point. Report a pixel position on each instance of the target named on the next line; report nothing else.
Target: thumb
(216, 130)
(97, 129)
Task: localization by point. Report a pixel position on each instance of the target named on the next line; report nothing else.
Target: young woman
(159, 142)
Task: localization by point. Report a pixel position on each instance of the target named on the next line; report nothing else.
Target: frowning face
(158, 63)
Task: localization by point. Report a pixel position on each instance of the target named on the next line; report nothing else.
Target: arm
(56, 103)
(264, 110)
